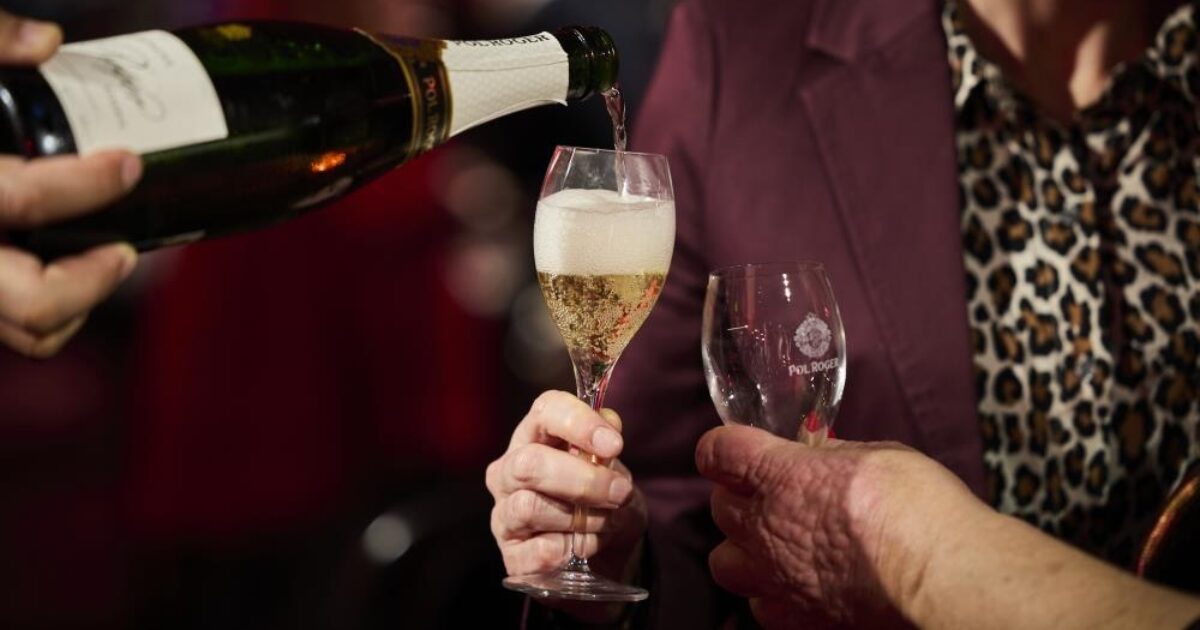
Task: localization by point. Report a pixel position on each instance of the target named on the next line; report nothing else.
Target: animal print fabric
(1082, 252)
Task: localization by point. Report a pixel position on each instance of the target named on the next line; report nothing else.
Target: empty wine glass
(774, 348)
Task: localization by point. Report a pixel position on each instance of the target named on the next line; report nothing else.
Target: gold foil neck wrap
(421, 62)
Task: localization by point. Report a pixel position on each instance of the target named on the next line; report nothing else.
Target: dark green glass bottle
(245, 124)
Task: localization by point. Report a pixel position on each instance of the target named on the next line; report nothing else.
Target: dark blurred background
(288, 429)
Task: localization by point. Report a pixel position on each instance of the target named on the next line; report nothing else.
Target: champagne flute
(602, 238)
(774, 349)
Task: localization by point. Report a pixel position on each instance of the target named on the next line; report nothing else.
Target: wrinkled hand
(42, 306)
(822, 536)
(536, 483)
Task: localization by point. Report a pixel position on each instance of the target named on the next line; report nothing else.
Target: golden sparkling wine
(598, 314)
(602, 258)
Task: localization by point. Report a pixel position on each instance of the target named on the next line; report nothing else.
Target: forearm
(986, 570)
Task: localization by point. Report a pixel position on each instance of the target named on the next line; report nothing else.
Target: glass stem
(591, 381)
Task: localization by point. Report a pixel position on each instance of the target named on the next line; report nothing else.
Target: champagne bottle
(245, 124)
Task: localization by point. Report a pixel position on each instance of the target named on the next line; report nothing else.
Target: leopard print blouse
(1082, 251)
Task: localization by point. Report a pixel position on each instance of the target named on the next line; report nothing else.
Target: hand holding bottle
(244, 124)
(42, 306)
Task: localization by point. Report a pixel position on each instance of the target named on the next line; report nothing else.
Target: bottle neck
(488, 79)
(493, 78)
(593, 60)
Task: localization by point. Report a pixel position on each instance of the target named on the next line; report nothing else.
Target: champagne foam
(600, 232)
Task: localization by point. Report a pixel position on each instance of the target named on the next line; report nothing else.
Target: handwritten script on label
(145, 92)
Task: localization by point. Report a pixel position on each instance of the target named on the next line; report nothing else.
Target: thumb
(730, 456)
(25, 41)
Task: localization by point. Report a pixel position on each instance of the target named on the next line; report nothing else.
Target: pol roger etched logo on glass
(813, 337)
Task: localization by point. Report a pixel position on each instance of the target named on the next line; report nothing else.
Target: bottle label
(144, 92)
(486, 79)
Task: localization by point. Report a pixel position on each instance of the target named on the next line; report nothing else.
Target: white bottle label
(492, 78)
(143, 92)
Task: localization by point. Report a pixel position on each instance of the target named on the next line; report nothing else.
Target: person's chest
(852, 164)
(1080, 251)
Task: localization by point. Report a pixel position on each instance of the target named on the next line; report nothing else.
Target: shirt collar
(1174, 57)
(966, 66)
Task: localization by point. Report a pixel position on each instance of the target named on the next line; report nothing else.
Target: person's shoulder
(845, 26)
(748, 28)
(750, 15)
(736, 9)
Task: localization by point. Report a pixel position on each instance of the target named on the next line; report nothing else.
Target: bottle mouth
(602, 63)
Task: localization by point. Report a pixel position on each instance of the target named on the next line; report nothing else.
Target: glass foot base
(579, 585)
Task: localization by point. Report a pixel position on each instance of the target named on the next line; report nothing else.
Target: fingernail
(131, 170)
(36, 36)
(129, 257)
(606, 440)
(619, 490)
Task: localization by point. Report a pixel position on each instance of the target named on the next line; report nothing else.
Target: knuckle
(579, 419)
(522, 507)
(532, 556)
(491, 477)
(545, 402)
(579, 426)
(497, 524)
(525, 465)
(555, 399)
(540, 403)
